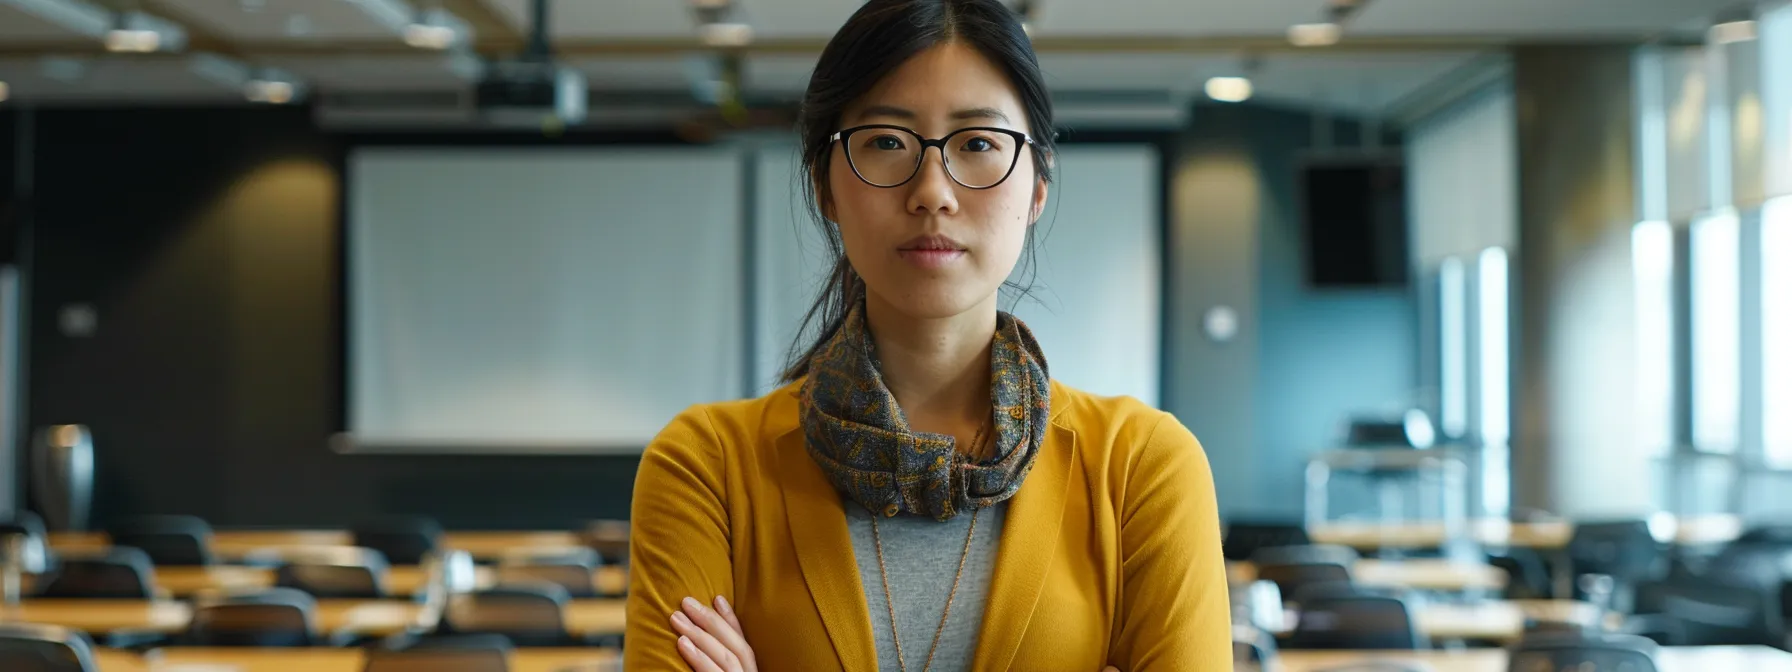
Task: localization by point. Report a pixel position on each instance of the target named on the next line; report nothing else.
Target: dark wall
(207, 241)
(1306, 359)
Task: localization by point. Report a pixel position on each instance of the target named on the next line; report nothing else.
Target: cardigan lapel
(1029, 544)
(824, 551)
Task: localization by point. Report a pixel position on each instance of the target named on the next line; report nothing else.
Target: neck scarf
(861, 438)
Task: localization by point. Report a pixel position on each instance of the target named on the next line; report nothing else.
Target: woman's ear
(1040, 191)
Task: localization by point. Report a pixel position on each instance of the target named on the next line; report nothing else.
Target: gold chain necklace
(890, 604)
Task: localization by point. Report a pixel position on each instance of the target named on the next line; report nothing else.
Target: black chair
(1356, 621)
(347, 572)
(1527, 576)
(1295, 580)
(1768, 535)
(1305, 554)
(404, 540)
(44, 648)
(572, 569)
(1703, 612)
(172, 541)
(277, 617)
(440, 653)
(121, 573)
(1623, 550)
(1590, 652)
(1244, 538)
(35, 554)
(529, 615)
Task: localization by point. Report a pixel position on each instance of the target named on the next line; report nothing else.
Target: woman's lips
(931, 258)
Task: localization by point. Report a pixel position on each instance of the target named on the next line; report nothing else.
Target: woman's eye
(889, 143)
(979, 145)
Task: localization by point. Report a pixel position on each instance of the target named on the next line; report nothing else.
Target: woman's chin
(933, 303)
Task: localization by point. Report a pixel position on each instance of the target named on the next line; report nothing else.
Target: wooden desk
(231, 545)
(372, 617)
(337, 660)
(1697, 530)
(1486, 620)
(1420, 574)
(1672, 659)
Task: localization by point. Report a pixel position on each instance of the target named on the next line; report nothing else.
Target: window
(1716, 331)
(1453, 347)
(1492, 285)
(1776, 328)
(1652, 267)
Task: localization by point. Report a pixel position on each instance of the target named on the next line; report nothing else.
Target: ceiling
(1393, 49)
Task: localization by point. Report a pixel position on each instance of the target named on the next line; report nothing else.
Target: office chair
(1356, 621)
(1294, 580)
(24, 545)
(1305, 554)
(1244, 538)
(571, 569)
(170, 541)
(44, 648)
(440, 653)
(1623, 550)
(529, 615)
(276, 617)
(1527, 577)
(1704, 612)
(121, 573)
(346, 572)
(1779, 534)
(1591, 652)
(609, 538)
(404, 540)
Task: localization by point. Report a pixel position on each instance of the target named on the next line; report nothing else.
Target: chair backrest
(609, 538)
(404, 540)
(335, 573)
(1778, 534)
(273, 617)
(572, 569)
(440, 653)
(1623, 549)
(169, 540)
(1294, 579)
(1703, 612)
(1356, 621)
(121, 572)
(1591, 652)
(1244, 538)
(33, 548)
(529, 615)
(1305, 554)
(44, 648)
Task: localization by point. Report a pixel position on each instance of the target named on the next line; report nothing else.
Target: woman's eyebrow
(904, 113)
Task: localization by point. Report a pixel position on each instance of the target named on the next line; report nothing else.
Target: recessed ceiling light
(1229, 89)
(126, 40)
(1315, 34)
(424, 36)
(269, 91)
(726, 34)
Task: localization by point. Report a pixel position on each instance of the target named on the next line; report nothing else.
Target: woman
(920, 495)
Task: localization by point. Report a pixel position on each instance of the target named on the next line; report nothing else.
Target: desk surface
(1485, 620)
(1672, 659)
(335, 660)
(234, 544)
(373, 617)
(400, 581)
(1422, 574)
(1684, 530)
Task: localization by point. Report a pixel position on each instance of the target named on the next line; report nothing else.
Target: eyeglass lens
(976, 158)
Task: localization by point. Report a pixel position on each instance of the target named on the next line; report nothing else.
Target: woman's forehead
(949, 82)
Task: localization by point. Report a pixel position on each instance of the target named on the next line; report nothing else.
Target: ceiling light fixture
(136, 32)
(726, 34)
(1731, 32)
(1229, 89)
(436, 29)
(1315, 34)
(273, 87)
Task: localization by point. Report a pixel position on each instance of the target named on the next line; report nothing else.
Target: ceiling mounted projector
(532, 88)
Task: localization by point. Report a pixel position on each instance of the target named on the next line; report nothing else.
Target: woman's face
(932, 248)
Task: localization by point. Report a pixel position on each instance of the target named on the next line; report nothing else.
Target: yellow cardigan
(1110, 554)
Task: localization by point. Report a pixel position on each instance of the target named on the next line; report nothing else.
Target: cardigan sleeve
(679, 543)
(1173, 580)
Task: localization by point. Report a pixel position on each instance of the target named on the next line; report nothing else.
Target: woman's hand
(711, 640)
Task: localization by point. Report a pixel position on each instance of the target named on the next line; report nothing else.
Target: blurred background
(1406, 267)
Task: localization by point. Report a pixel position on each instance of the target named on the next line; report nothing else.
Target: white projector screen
(539, 300)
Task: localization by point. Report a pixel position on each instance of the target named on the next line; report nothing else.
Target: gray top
(922, 558)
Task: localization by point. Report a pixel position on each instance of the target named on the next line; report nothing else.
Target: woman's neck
(938, 369)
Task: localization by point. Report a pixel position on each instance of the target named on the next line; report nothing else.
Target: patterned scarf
(862, 440)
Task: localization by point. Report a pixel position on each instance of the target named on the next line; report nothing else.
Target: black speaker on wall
(1353, 220)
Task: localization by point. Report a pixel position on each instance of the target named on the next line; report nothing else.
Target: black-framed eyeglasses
(979, 157)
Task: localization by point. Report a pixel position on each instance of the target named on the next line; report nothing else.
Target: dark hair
(880, 37)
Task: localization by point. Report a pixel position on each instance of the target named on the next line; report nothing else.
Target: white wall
(1461, 169)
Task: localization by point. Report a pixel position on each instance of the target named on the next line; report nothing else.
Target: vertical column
(1574, 332)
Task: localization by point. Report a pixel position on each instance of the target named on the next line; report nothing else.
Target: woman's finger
(717, 626)
(705, 642)
(1110, 668)
(727, 612)
(695, 658)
